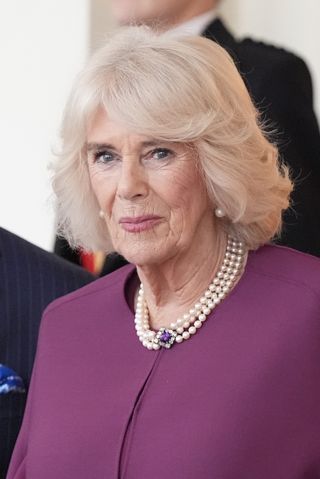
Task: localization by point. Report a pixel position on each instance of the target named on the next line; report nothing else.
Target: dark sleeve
(288, 91)
(280, 85)
(17, 468)
(289, 103)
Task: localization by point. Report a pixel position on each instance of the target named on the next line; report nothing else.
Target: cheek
(185, 190)
(102, 185)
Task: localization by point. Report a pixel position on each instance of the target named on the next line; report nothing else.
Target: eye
(161, 153)
(104, 157)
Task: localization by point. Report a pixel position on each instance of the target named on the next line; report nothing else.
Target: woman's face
(151, 192)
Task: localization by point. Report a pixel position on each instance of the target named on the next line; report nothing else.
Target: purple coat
(239, 400)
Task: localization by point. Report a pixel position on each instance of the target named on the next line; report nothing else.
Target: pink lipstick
(137, 224)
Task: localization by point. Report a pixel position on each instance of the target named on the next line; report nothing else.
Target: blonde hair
(183, 89)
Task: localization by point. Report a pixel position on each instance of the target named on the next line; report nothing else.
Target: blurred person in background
(201, 359)
(30, 278)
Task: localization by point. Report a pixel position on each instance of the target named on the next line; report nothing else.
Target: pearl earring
(219, 213)
(101, 214)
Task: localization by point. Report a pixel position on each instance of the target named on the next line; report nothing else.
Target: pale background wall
(43, 43)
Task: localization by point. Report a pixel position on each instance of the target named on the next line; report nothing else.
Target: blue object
(10, 382)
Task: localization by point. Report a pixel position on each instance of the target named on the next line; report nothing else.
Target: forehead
(102, 129)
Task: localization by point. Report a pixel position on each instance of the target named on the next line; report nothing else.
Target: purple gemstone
(165, 336)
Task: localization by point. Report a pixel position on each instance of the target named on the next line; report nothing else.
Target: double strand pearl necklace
(191, 322)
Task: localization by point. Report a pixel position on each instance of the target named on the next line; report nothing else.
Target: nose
(133, 181)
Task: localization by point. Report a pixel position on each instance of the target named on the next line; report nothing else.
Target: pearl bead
(192, 311)
(179, 339)
(156, 346)
(211, 304)
(186, 335)
(198, 324)
(192, 330)
(180, 330)
(202, 317)
(186, 325)
(212, 287)
(207, 294)
(186, 316)
(203, 300)
(180, 321)
(206, 311)
(198, 306)
(173, 325)
(150, 346)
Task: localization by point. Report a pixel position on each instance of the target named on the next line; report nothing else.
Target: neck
(172, 287)
(192, 10)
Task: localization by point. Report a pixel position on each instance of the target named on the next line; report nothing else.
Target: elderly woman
(202, 358)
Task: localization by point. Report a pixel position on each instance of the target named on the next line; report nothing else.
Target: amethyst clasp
(165, 338)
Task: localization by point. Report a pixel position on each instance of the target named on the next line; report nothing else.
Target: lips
(137, 224)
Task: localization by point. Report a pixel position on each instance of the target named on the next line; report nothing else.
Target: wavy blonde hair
(183, 89)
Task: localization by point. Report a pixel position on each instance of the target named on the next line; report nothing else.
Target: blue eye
(161, 153)
(103, 157)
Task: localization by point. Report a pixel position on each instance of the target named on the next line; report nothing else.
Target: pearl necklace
(191, 322)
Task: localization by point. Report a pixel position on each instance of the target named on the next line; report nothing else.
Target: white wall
(288, 23)
(43, 43)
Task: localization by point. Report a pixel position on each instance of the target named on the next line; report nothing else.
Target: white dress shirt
(195, 26)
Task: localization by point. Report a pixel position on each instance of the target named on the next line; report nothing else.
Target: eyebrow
(109, 146)
(99, 146)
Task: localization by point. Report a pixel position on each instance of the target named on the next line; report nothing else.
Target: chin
(142, 255)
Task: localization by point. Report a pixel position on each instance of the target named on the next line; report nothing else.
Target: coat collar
(217, 32)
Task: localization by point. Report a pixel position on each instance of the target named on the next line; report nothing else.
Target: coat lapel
(217, 32)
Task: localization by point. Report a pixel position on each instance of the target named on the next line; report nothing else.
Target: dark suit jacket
(280, 86)
(30, 278)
